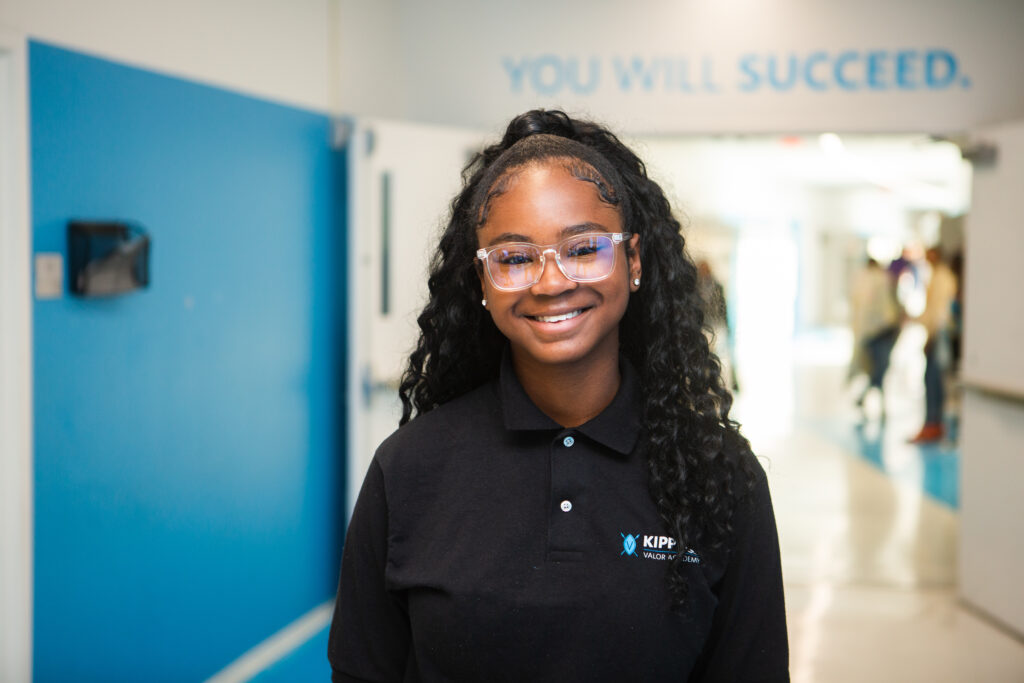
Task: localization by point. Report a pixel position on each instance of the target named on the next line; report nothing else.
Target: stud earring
(636, 282)
(483, 303)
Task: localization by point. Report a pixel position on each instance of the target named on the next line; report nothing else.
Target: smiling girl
(567, 498)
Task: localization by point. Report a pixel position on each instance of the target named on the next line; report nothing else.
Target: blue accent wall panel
(188, 438)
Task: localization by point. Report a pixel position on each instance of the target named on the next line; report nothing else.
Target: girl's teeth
(558, 318)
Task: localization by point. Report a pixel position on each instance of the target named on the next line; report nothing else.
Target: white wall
(15, 368)
(478, 63)
(272, 49)
(368, 63)
(992, 511)
(991, 559)
(994, 309)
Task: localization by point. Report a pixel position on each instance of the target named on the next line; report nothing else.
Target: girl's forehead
(548, 187)
(544, 202)
(550, 177)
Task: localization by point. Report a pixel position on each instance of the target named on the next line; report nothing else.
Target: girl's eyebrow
(567, 231)
(580, 228)
(508, 237)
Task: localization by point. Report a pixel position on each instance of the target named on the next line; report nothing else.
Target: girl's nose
(552, 280)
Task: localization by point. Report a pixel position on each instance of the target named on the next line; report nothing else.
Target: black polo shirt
(490, 544)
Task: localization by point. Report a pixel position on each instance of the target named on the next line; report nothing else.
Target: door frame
(16, 462)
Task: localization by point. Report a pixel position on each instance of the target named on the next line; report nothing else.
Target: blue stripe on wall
(189, 474)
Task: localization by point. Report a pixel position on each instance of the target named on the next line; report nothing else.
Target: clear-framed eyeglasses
(587, 257)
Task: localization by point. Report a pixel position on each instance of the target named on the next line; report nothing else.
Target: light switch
(49, 275)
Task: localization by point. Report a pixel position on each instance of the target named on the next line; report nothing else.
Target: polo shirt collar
(616, 427)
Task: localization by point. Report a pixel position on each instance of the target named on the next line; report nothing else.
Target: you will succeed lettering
(850, 70)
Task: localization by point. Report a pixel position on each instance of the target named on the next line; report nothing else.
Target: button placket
(568, 441)
(566, 525)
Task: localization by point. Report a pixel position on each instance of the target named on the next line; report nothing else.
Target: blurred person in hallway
(716, 318)
(875, 319)
(937, 318)
(956, 328)
(907, 274)
(904, 264)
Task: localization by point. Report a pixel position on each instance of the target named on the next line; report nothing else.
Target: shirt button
(568, 441)
(566, 506)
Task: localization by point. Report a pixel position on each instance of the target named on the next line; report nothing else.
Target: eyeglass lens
(585, 258)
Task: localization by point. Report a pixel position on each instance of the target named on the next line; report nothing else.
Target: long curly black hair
(690, 442)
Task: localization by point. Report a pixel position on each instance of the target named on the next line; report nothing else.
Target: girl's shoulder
(474, 417)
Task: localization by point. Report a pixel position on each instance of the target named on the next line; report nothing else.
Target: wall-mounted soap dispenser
(106, 258)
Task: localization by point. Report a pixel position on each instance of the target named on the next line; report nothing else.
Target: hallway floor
(867, 525)
(868, 528)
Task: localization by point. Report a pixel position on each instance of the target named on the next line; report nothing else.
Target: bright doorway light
(831, 144)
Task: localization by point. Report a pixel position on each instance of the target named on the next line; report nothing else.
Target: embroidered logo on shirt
(655, 547)
(629, 544)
